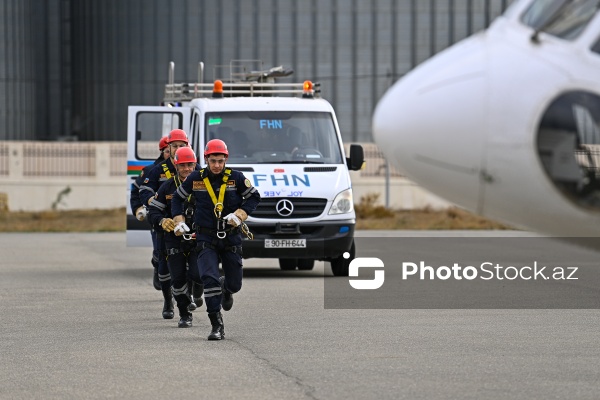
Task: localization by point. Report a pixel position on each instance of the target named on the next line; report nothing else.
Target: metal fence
(61, 159)
(58, 159)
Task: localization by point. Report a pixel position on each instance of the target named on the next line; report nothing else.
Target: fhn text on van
(487, 271)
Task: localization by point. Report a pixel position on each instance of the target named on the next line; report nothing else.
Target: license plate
(285, 243)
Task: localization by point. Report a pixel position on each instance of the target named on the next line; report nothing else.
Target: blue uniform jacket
(239, 194)
(156, 177)
(160, 207)
(134, 199)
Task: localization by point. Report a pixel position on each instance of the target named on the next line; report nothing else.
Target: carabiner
(246, 231)
(218, 210)
(219, 233)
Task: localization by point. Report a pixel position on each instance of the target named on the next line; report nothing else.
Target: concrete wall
(38, 176)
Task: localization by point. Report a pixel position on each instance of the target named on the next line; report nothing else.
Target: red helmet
(215, 146)
(185, 155)
(177, 135)
(163, 143)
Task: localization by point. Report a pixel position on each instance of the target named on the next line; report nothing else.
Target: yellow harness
(166, 170)
(219, 205)
(217, 202)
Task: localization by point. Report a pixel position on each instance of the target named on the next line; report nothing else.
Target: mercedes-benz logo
(284, 207)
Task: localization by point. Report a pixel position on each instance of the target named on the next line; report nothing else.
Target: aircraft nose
(430, 123)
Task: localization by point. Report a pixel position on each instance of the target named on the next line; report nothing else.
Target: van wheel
(340, 265)
(288, 264)
(306, 264)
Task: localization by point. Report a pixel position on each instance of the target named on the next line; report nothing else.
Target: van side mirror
(357, 158)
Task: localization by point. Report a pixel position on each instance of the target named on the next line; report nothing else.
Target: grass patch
(64, 221)
(369, 216)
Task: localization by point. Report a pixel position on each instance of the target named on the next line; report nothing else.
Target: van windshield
(255, 137)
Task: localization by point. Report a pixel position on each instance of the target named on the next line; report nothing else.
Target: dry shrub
(45, 215)
(368, 207)
(452, 213)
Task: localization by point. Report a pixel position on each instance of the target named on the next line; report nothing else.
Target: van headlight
(343, 203)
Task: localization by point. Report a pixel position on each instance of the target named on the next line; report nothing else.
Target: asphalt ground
(81, 320)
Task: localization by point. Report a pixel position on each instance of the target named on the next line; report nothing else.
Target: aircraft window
(565, 19)
(569, 146)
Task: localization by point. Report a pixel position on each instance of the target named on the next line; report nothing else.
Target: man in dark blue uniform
(181, 251)
(139, 210)
(224, 199)
(157, 176)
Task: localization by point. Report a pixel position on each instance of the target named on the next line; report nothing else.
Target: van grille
(304, 207)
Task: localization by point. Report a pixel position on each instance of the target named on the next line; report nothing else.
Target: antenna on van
(171, 73)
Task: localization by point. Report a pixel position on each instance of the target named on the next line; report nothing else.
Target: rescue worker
(139, 210)
(224, 199)
(157, 176)
(181, 250)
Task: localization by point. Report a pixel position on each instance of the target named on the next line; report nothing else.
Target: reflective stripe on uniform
(214, 291)
(164, 278)
(157, 204)
(182, 193)
(249, 192)
(181, 290)
(148, 188)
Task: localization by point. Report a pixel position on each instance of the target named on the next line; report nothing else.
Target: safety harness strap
(234, 249)
(166, 170)
(222, 190)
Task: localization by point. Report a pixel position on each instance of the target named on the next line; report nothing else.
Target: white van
(289, 147)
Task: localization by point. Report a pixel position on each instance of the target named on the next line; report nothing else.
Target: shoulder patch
(198, 185)
(146, 180)
(247, 183)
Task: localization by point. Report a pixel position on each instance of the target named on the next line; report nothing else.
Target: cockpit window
(568, 144)
(565, 19)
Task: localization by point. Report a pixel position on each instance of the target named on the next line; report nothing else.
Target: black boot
(155, 280)
(218, 329)
(185, 321)
(227, 299)
(183, 305)
(167, 312)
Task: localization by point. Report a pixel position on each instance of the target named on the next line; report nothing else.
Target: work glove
(167, 224)
(241, 214)
(181, 228)
(141, 213)
(233, 219)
